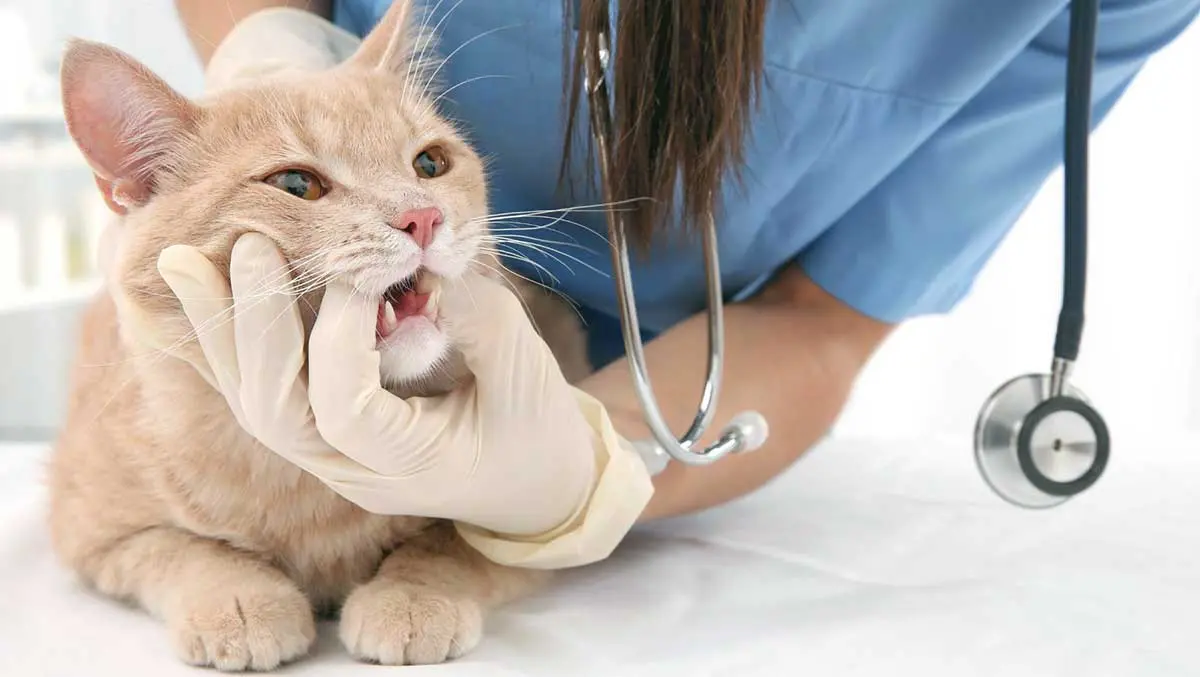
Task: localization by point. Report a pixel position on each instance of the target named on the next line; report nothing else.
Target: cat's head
(350, 171)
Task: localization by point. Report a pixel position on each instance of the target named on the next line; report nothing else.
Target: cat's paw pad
(244, 629)
(408, 625)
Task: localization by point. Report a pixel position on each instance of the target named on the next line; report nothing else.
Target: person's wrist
(274, 41)
(576, 485)
(620, 493)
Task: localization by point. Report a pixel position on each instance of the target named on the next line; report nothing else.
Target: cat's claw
(235, 631)
(398, 624)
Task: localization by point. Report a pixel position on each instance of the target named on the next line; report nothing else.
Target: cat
(157, 496)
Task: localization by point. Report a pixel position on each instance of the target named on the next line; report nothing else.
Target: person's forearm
(207, 22)
(792, 354)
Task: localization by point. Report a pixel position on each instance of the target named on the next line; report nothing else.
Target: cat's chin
(412, 352)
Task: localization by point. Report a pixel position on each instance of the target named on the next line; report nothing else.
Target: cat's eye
(303, 184)
(431, 162)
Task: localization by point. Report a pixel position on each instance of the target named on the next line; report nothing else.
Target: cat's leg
(223, 608)
(428, 600)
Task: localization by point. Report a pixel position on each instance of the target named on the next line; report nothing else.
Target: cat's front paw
(247, 627)
(399, 624)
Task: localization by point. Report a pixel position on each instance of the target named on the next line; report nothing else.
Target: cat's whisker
(317, 280)
(503, 219)
(312, 283)
(259, 291)
(433, 104)
(465, 43)
(548, 252)
(549, 222)
(170, 350)
(295, 301)
(568, 301)
(600, 207)
(419, 60)
(246, 303)
(308, 304)
(285, 283)
(507, 282)
(543, 246)
(125, 383)
(513, 225)
(541, 242)
(283, 277)
(520, 257)
(519, 232)
(526, 225)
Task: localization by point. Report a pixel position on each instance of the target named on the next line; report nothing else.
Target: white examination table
(868, 558)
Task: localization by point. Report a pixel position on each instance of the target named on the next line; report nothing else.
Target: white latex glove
(274, 41)
(529, 467)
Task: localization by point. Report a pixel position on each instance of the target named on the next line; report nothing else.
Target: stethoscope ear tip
(751, 427)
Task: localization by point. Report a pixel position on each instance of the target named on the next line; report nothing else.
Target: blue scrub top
(896, 144)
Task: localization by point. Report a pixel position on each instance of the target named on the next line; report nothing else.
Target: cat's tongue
(395, 309)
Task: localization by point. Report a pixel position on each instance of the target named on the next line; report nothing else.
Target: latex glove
(277, 40)
(271, 42)
(529, 467)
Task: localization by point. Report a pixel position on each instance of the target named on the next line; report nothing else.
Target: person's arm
(911, 247)
(813, 347)
(208, 22)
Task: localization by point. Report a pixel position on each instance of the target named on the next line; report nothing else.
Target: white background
(1140, 361)
(1140, 358)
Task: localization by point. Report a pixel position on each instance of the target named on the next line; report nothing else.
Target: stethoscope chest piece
(1035, 449)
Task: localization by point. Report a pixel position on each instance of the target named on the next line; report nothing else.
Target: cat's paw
(247, 627)
(398, 624)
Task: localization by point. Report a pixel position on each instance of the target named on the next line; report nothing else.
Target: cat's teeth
(431, 304)
(389, 316)
(425, 283)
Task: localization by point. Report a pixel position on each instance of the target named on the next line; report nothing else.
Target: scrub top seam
(871, 91)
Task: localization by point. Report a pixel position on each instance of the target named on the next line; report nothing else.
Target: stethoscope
(1038, 441)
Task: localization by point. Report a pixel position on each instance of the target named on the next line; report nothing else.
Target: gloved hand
(479, 456)
(529, 467)
(277, 40)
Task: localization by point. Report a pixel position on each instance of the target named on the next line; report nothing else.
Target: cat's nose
(420, 224)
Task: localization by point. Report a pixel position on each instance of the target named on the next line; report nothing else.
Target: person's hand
(516, 452)
(277, 40)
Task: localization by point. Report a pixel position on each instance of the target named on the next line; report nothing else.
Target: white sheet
(866, 559)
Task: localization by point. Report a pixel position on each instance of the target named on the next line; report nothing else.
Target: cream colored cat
(158, 497)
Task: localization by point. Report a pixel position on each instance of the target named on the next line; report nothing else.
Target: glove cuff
(274, 41)
(622, 491)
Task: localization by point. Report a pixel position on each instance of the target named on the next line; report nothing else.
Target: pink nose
(420, 224)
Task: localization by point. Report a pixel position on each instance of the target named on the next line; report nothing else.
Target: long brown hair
(685, 79)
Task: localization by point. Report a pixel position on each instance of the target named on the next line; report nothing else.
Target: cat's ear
(129, 124)
(399, 43)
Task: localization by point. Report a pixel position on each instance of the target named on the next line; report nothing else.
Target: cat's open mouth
(412, 299)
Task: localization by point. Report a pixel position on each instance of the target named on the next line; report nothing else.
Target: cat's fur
(158, 497)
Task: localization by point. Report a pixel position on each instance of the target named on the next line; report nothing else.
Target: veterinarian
(888, 151)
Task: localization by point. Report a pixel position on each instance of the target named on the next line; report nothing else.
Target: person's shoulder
(359, 16)
(935, 50)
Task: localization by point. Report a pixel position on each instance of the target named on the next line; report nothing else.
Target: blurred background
(1141, 355)
(50, 210)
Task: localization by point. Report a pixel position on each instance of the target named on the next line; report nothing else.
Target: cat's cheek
(451, 253)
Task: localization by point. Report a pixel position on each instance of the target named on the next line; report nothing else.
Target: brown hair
(685, 78)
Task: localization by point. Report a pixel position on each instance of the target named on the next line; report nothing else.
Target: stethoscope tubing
(749, 430)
